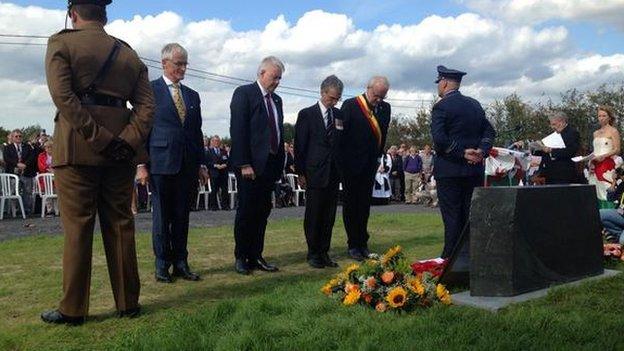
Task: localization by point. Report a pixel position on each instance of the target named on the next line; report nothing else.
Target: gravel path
(11, 228)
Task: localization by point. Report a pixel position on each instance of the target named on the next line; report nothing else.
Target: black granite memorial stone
(528, 238)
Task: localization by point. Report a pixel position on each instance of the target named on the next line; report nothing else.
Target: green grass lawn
(285, 310)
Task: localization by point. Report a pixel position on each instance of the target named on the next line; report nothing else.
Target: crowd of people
(27, 159)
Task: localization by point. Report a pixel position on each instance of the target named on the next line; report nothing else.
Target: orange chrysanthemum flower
(387, 277)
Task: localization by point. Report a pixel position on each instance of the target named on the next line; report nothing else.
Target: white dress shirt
(324, 113)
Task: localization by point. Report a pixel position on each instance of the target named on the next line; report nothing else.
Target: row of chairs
(10, 191)
(205, 190)
(44, 187)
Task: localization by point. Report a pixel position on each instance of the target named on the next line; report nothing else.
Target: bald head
(377, 89)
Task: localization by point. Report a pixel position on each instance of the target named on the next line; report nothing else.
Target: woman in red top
(44, 165)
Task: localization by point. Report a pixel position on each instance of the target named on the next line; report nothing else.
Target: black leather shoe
(130, 313)
(241, 266)
(163, 276)
(316, 262)
(185, 273)
(328, 262)
(56, 317)
(262, 265)
(365, 252)
(356, 254)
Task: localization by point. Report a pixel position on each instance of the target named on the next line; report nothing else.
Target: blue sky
(537, 49)
(366, 14)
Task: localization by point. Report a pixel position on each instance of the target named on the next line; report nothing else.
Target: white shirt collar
(264, 91)
(168, 81)
(323, 109)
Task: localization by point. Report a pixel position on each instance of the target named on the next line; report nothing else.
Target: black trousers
(454, 196)
(170, 218)
(219, 186)
(357, 195)
(320, 214)
(254, 207)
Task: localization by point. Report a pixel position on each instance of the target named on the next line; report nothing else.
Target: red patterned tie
(272, 126)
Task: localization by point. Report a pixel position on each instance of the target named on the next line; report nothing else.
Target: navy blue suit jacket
(249, 128)
(170, 141)
(458, 123)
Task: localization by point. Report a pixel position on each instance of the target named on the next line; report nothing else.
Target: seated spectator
(613, 218)
(44, 165)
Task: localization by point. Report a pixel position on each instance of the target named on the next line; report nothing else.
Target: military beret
(102, 3)
(448, 73)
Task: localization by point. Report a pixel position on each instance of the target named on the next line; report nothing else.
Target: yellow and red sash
(370, 118)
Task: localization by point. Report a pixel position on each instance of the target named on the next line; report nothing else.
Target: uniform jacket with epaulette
(458, 123)
(82, 132)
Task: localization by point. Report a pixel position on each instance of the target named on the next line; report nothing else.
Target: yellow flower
(326, 289)
(390, 254)
(352, 298)
(443, 294)
(334, 282)
(351, 268)
(397, 297)
(416, 286)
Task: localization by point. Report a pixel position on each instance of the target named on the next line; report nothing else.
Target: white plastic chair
(203, 190)
(47, 192)
(9, 187)
(294, 185)
(232, 189)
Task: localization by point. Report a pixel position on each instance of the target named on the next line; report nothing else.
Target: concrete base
(495, 303)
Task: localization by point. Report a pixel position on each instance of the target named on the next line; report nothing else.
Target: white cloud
(536, 11)
(500, 57)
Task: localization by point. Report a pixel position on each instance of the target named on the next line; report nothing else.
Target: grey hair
(558, 115)
(170, 49)
(332, 82)
(270, 61)
(378, 80)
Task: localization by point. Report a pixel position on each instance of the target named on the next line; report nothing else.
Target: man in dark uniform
(361, 138)
(91, 77)
(462, 137)
(318, 173)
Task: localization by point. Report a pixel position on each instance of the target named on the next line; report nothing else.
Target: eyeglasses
(179, 63)
(17, 136)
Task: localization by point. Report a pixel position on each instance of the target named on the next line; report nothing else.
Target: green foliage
(289, 132)
(516, 119)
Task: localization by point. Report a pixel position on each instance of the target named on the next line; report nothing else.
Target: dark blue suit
(176, 153)
(250, 133)
(457, 123)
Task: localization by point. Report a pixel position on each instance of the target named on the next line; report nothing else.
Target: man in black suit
(361, 133)
(317, 170)
(257, 156)
(218, 169)
(21, 160)
(557, 165)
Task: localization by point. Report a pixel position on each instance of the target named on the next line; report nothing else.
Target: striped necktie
(179, 103)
